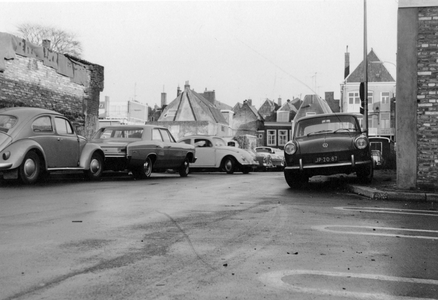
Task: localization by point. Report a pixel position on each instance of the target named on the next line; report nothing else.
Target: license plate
(326, 159)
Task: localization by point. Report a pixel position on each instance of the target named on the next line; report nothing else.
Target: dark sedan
(327, 144)
(143, 149)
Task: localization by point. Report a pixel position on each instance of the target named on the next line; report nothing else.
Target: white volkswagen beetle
(212, 152)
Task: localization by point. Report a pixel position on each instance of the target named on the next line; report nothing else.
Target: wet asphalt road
(212, 236)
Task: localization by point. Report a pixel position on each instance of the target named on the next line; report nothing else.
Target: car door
(205, 152)
(60, 150)
(67, 144)
(162, 160)
(174, 153)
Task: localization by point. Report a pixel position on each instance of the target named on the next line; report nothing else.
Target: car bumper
(333, 165)
(5, 166)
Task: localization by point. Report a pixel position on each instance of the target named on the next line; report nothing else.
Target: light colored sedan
(143, 149)
(212, 152)
(35, 142)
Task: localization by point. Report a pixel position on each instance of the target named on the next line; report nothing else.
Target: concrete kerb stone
(376, 194)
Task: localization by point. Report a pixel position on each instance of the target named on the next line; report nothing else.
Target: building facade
(381, 92)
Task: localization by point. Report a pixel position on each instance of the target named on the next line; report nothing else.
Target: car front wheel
(365, 174)
(185, 168)
(95, 169)
(229, 165)
(30, 168)
(295, 180)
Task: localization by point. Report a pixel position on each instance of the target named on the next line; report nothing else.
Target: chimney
(187, 85)
(46, 44)
(210, 96)
(279, 102)
(249, 102)
(163, 100)
(178, 91)
(347, 64)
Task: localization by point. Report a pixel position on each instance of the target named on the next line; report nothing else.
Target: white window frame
(353, 98)
(282, 137)
(384, 97)
(271, 137)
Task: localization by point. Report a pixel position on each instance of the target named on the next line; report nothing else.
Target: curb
(376, 194)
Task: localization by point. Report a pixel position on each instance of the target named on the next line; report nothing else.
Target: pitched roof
(191, 106)
(314, 104)
(376, 71)
(288, 106)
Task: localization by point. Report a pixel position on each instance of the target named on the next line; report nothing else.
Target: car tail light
(361, 142)
(290, 148)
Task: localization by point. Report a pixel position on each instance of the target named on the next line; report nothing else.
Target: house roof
(377, 72)
(191, 106)
(288, 106)
(313, 104)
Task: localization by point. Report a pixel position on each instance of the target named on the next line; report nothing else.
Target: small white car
(212, 152)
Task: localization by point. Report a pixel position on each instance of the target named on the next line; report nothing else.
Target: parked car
(269, 158)
(35, 142)
(378, 159)
(143, 149)
(327, 144)
(213, 153)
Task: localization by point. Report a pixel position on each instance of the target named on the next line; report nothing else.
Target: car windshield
(7, 122)
(119, 133)
(218, 142)
(326, 124)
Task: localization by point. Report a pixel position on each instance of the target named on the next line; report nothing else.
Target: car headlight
(6, 155)
(290, 148)
(361, 142)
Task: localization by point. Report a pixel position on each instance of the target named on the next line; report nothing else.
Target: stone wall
(28, 81)
(427, 96)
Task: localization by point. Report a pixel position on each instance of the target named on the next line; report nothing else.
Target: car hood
(327, 143)
(4, 140)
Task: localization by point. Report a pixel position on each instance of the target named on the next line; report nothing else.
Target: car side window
(63, 126)
(42, 124)
(156, 135)
(185, 142)
(166, 136)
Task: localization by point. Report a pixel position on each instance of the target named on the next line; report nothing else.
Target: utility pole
(365, 60)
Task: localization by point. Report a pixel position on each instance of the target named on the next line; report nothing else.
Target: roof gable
(191, 106)
(377, 72)
(313, 104)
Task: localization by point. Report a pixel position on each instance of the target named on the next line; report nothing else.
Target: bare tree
(60, 40)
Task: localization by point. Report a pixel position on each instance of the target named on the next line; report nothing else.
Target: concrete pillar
(406, 108)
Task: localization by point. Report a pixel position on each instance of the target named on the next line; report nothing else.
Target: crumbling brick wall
(28, 81)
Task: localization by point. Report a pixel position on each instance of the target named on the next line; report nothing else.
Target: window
(370, 97)
(7, 122)
(385, 121)
(166, 136)
(156, 136)
(272, 138)
(43, 124)
(353, 98)
(385, 98)
(282, 137)
(63, 126)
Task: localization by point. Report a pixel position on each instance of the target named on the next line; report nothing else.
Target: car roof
(27, 112)
(357, 115)
(131, 127)
(200, 136)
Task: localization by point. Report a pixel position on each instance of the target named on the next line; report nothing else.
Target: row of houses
(271, 124)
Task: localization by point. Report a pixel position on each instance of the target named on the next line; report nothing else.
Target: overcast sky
(240, 49)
